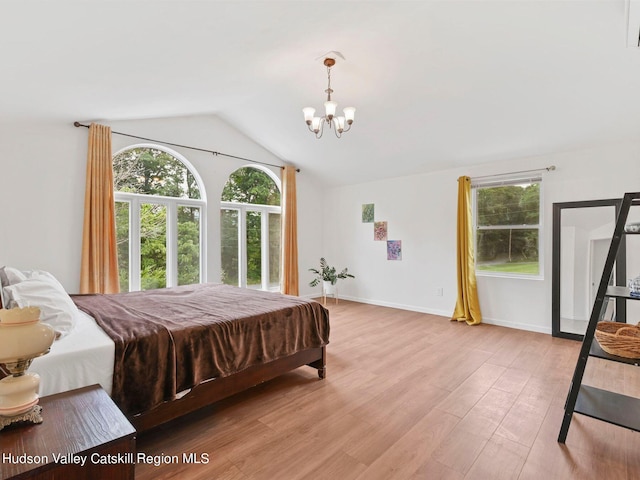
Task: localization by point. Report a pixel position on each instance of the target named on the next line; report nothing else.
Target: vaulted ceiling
(436, 84)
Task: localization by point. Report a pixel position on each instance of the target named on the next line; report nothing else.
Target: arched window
(160, 219)
(250, 229)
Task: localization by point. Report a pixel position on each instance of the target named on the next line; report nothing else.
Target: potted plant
(328, 276)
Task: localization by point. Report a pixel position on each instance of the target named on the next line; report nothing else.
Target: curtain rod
(548, 169)
(213, 152)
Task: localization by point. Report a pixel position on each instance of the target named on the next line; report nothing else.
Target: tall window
(508, 228)
(250, 229)
(160, 215)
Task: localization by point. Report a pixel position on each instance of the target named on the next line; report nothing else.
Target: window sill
(484, 273)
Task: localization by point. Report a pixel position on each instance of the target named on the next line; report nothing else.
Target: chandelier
(316, 124)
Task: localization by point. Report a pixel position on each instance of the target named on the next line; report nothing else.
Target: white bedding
(83, 357)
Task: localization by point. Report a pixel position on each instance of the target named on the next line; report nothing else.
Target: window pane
(254, 249)
(188, 245)
(509, 205)
(259, 251)
(229, 246)
(122, 241)
(508, 251)
(153, 246)
(250, 185)
(274, 249)
(152, 171)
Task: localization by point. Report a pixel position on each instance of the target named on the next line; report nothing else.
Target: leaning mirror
(582, 234)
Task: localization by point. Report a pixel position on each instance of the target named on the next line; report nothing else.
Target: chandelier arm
(321, 130)
(338, 134)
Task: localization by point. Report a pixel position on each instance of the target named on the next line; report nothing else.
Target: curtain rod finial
(551, 168)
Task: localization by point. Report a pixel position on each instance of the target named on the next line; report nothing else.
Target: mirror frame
(620, 270)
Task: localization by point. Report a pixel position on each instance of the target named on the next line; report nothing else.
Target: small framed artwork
(367, 212)
(380, 231)
(394, 249)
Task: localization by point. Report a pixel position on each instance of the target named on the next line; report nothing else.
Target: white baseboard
(400, 306)
(444, 313)
(518, 326)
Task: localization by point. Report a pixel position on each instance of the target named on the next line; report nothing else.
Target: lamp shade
(308, 114)
(22, 338)
(349, 114)
(315, 124)
(339, 123)
(22, 335)
(330, 108)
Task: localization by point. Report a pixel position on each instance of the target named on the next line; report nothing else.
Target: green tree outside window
(254, 189)
(507, 235)
(157, 173)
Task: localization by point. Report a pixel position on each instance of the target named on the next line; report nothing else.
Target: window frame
(265, 210)
(171, 204)
(506, 181)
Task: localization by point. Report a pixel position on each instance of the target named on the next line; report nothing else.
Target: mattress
(83, 357)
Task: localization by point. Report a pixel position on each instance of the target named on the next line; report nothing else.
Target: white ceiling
(436, 84)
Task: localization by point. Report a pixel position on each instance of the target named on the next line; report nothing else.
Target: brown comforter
(170, 340)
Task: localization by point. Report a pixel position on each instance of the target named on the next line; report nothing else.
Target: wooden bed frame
(214, 390)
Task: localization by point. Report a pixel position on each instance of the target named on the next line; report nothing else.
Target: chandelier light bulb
(308, 114)
(349, 114)
(330, 109)
(317, 124)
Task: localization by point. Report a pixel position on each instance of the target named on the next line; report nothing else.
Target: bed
(163, 353)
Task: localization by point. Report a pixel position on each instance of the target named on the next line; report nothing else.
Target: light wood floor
(410, 396)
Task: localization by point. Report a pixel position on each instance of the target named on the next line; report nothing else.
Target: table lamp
(22, 338)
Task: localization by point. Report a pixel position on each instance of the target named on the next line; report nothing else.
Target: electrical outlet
(438, 292)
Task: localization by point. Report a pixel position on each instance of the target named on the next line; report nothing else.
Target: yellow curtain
(99, 268)
(467, 305)
(289, 232)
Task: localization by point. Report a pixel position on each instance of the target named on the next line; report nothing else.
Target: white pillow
(14, 275)
(9, 276)
(42, 290)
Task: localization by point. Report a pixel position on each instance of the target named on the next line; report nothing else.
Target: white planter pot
(328, 288)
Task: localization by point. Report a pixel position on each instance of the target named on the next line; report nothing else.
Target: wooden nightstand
(79, 424)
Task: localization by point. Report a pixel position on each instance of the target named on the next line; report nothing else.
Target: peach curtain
(289, 232)
(99, 267)
(467, 305)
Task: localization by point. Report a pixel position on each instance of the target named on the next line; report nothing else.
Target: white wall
(43, 179)
(421, 211)
(42, 169)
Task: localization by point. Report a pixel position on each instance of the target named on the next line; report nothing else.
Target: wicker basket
(619, 339)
